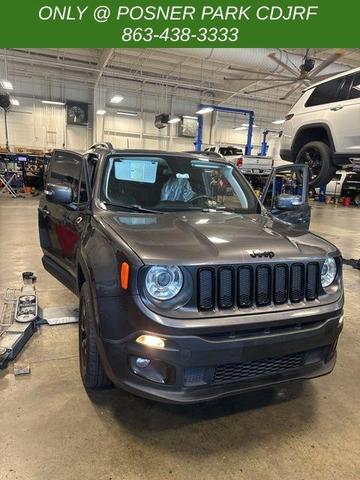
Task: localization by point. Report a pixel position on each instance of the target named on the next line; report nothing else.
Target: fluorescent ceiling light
(116, 99)
(6, 84)
(100, 112)
(240, 128)
(14, 101)
(128, 114)
(204, 110)
(174, 120)
(51, 102)
(278, 122)
(190, 116)
(247, 125)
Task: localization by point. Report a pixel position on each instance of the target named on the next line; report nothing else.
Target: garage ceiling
(170, 67)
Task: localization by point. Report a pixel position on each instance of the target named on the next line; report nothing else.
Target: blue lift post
(218, 108)
(264, 145)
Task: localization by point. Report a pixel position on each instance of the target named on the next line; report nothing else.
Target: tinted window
(355, 87)
(65, 169)
(334, 91)
(171, 183)
(286, 182)
(353, 180)
(226, 151)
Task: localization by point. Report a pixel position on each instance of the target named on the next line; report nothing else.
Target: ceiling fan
(291, 75)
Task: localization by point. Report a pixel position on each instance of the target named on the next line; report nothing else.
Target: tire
(317, 156)
(92, 373)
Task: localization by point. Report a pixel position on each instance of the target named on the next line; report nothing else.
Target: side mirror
(287, 201)
(59, 194)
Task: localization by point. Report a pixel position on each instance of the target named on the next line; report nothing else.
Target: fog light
(151, 341)
(142, 362)
(153, 370)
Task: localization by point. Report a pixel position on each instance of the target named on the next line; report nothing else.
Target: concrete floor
(51, 429)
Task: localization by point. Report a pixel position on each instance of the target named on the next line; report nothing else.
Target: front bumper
(206, 367)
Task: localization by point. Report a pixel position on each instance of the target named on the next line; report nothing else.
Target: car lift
(218, 108)
(264, 145)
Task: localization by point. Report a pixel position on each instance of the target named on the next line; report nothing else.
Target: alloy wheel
(312, 158)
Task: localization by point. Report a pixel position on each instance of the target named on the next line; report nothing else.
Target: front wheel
(91, 370)
(317, 156)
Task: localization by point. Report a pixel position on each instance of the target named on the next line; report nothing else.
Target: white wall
(33, 124)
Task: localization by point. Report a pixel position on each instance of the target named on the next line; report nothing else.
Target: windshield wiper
(134, 208)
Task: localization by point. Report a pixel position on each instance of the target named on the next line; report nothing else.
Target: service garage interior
(235, 105)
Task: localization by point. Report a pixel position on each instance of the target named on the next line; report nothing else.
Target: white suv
(323, 127)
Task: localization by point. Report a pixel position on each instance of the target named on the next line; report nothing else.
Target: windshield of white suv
(172, 183)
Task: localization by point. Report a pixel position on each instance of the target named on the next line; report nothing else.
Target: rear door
(345, 118)
(59, 231)
(337, 104)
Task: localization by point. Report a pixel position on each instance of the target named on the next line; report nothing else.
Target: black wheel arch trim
(311, 126)
(81, 263)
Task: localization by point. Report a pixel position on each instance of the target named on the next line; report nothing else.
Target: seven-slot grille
(247, 285)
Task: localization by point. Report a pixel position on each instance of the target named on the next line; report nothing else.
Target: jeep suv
(189, 289)
(323, 128)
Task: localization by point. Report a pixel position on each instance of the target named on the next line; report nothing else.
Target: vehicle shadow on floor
(211, 426)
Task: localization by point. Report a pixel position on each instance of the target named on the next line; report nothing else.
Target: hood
(198, 238)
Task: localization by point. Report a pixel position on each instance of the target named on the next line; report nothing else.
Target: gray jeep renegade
(190, 289)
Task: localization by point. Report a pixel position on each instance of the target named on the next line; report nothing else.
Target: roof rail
(106, 145)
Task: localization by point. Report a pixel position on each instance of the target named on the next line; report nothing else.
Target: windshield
(171, 183)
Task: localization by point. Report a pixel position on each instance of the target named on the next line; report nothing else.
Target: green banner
(180, 23)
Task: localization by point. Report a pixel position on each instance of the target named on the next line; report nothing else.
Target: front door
(292, 181)
(60, 225)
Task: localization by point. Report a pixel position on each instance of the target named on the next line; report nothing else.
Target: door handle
(335, 109)
(70, 220)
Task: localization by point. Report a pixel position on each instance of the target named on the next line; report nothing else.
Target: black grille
(206, 289)
(297, 283)
(226, 288)
(247, 285)
(234, 372)
(312, 281)
(281, 282)
(263, 285)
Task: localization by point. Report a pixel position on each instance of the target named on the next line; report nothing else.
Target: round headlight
(328, 272)
(164, 282)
